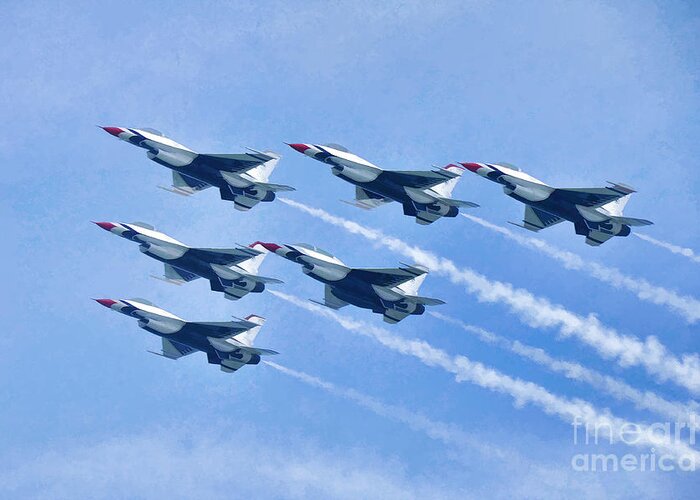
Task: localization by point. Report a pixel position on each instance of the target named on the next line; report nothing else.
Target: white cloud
(210, 461)
(686, 306)
(539, 312)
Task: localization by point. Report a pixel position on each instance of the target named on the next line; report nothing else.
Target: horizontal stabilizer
(232, 274)
(260, 352)
(274, 187)
(457, 203)
(631, 221)
(264, 279)
(622, 188)
(428, 301)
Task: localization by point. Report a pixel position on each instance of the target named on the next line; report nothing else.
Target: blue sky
(575, 93)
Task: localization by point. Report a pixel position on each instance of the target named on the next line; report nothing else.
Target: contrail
(539, 312)
(685, 252)
(688, 307)
(647, 400)
(448, 434)
(522, 392)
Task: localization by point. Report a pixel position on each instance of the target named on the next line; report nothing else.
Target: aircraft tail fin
(616, 207)
(411, 286)
(263, 171)
(252, 265)
(445, 189)
(248, 337)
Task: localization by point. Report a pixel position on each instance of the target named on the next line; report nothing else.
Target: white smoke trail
(685, 252)
(647, 400)
(538, 312)
(522, 392)
(688, 307)
(448, 434)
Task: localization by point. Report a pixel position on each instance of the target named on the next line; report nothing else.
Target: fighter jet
(424, 194)
(228, 344)
(391, 292)
(241, 178)
(229, 270)
(595, 212)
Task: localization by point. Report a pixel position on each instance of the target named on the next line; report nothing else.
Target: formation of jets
(243, 178)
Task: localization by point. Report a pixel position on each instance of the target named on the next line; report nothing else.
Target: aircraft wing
(367, 199)
(388, 277)
(174, 350)
(535, 219)
(187, 184)
(176, 274)
(330, 300)
(592, 197)
(597, 238)
(393, 316)
(223, 256)
(418, 178)
(220, 330)
(232, 162)
(230, 365)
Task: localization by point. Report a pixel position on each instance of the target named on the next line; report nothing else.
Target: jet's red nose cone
(106, 302)
(472, 166)
(300, 147)
(272, 247)
(115, 131)
(107, 226)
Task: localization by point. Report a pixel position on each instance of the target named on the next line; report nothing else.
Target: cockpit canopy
(143, 225)
(320, 251)
(338, 147)
(314, 249)
(142, 301)
(509, 165)
(153, 131)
